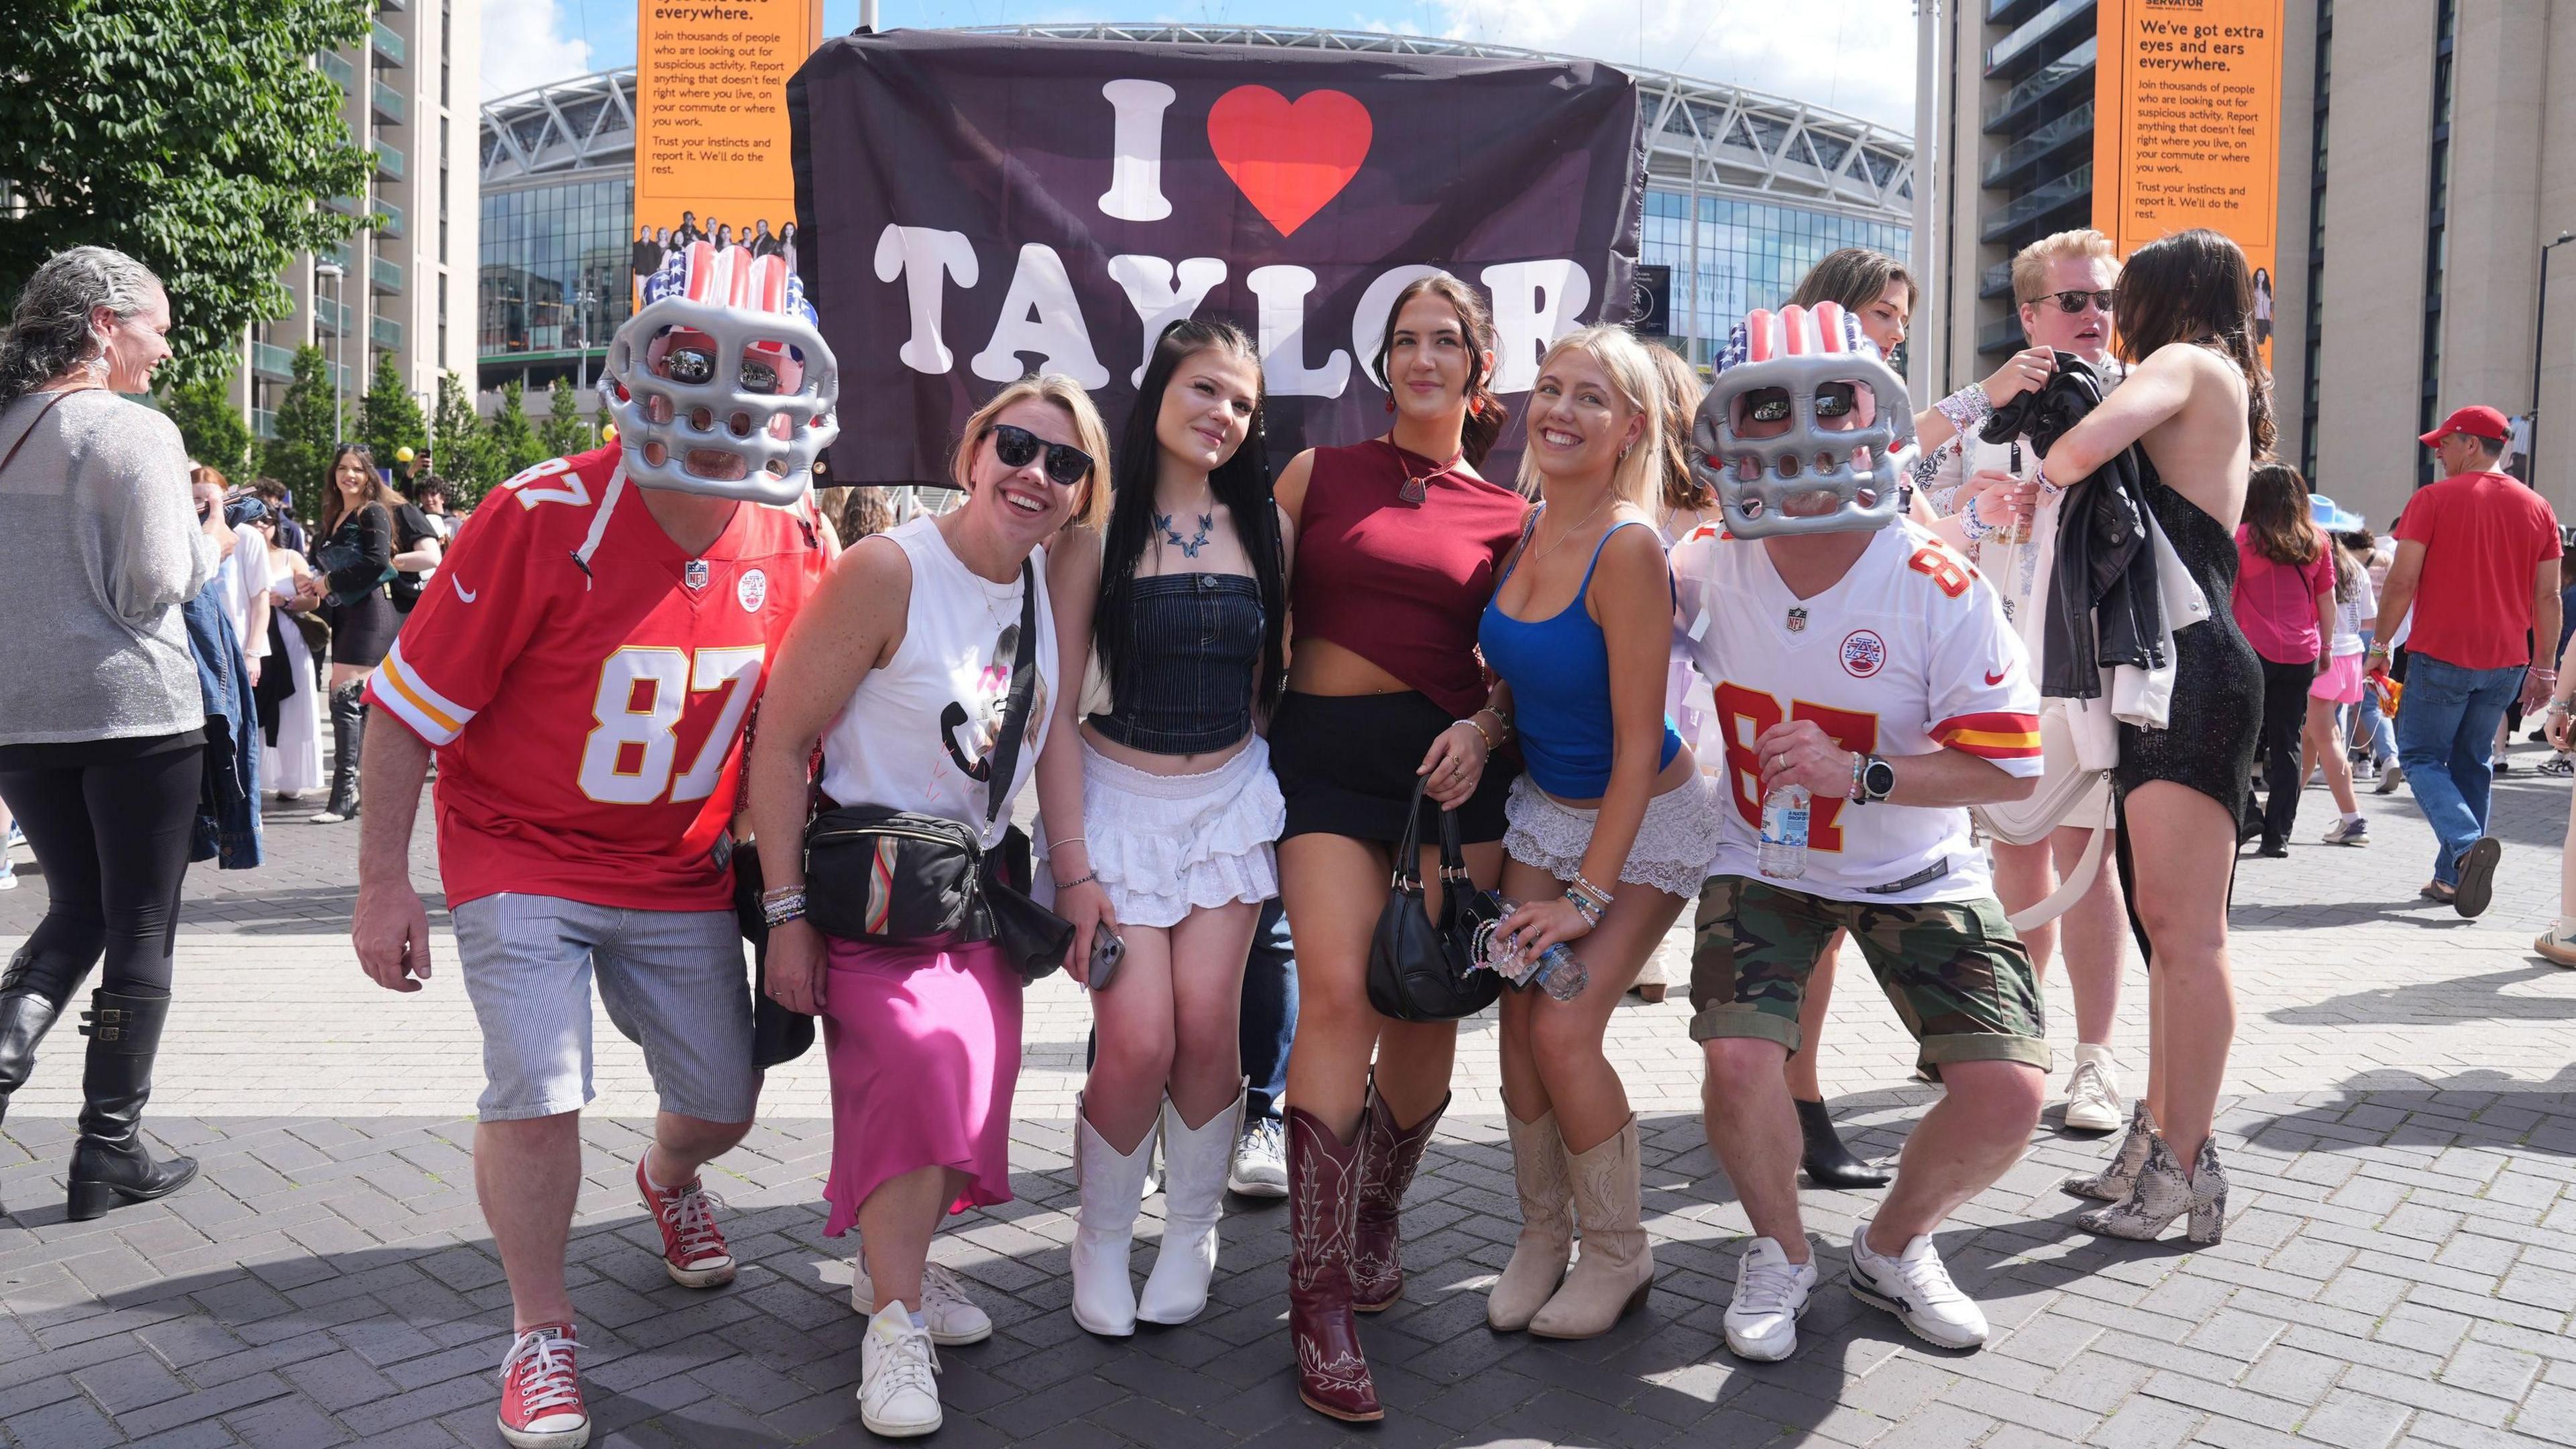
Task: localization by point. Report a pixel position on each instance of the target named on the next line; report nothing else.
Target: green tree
(514, 439)
(389, 419)
(197, 138)
(460, 445)
(306, 433)
(210, 424)
(565, 432)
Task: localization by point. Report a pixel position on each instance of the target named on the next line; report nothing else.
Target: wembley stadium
(1744, 192)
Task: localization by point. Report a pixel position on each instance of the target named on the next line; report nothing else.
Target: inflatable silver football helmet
(721, 383)
(1803, 417)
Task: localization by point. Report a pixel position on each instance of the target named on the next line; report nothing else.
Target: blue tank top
(1559, 670)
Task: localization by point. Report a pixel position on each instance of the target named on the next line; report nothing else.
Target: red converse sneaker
(693, 1247)
(541, 1404)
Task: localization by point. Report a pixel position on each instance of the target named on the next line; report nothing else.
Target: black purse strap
(1015, 710)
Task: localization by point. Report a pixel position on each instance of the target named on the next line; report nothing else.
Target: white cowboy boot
(1195, 1162)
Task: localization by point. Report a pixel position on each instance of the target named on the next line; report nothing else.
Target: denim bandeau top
(1559, 669)
(1188, 666)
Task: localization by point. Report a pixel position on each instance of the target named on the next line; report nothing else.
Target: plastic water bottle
(1783, 854)
(1557, 971)
(1560, 973)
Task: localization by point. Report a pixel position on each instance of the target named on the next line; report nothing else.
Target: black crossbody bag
(903, 878)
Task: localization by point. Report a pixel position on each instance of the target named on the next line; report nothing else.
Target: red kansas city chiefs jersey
(588, 724)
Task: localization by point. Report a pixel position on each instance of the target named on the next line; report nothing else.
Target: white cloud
(525, 45)
(1854, 56)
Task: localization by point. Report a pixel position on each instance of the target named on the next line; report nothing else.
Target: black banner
(975, 207)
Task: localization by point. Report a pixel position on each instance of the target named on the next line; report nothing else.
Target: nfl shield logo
(695, 575)
(1797, 621)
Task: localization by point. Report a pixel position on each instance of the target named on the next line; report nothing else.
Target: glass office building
(557, 240)
(1775, 184)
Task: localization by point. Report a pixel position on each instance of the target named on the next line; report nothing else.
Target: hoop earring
(1625, 450)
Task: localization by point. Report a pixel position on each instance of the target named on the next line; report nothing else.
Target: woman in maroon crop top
(1399, 544)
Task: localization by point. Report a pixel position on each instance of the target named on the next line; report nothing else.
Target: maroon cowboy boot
(1388, 1156)
(1323, 1187)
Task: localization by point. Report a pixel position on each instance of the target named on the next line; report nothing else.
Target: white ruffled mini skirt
(1675, 842)
(1166, 845)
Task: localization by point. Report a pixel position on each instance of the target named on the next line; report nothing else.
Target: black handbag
(778, 1035)
(1421, 968)
(903, 878)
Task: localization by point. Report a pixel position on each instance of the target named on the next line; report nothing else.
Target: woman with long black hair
(102, 725)
(356, 553)
(2285, 582)
(2198, 405)
(1160, 806)
(1399, 543)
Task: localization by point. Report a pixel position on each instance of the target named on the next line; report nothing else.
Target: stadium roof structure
(1736, 140)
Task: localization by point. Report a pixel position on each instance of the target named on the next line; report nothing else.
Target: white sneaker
(2348, 832)
(1770, 1296)
(898, 1384)
(1260, 1160)
(1917, 1289)
(2093, 1093)
(953, 1318)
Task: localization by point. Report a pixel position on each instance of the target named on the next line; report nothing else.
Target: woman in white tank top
(901, 666)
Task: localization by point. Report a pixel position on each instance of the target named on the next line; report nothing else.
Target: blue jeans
(1269, 1013)
(2446, 725)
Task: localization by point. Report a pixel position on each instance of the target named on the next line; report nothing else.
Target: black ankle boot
(348, 740)
(31, 996)
(1828, 1162)
(110, 1161)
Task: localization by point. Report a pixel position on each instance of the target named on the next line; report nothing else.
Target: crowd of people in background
(1657, 669)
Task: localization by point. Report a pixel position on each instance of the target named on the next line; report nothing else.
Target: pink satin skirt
(924, 1048)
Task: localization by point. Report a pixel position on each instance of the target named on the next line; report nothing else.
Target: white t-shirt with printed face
(241, 578)
(1907, 653)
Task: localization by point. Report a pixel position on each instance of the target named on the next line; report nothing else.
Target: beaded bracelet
(1470, 722)
(1584, 906)
(1081, 880)
(1597, 893)
(777, 910)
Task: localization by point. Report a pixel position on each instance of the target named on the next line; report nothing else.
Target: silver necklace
(1576, 528)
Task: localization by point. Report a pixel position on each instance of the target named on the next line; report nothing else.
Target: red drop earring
(1476, 408)
(1390, 405)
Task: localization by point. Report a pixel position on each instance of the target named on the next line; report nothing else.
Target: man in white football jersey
(1855, 655)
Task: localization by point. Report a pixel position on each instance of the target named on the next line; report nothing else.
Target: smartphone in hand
(1106, 952)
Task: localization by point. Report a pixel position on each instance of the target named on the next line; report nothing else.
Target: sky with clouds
(1855, 56)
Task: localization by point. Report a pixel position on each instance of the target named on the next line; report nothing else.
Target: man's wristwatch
(1872, 779)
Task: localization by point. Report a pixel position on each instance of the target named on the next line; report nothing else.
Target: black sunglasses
(1066, 464)
(2071, 303)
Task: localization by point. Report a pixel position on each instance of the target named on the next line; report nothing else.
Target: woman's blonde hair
(1638, 478)
(1091, 504)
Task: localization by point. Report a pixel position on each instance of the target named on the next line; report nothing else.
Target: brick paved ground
(2400, 1265)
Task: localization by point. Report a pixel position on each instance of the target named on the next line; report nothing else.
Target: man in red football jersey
(582, 667)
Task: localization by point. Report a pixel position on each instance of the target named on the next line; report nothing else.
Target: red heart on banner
(1289, 159)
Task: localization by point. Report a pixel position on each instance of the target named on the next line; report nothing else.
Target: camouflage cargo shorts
(1958, 976)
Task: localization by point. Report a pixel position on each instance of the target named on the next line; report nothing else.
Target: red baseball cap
(2479, 422)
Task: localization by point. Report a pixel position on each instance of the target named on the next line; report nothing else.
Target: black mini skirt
(1346, 766)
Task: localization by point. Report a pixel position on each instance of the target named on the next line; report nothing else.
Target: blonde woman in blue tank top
(1611, 830)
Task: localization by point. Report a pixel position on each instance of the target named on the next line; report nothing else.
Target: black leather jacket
(2104, 606)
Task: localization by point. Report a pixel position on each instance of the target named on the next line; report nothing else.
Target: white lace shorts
(1165, 845)
(1675, 842)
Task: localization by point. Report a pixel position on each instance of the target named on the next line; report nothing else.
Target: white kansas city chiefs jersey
(1908, 653)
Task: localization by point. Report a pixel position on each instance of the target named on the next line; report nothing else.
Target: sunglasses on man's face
(1066, 464)
(2071, 303)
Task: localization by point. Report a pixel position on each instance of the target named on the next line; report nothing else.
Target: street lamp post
(339, 329)
(583, 300)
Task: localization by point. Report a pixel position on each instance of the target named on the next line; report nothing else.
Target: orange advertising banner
(2187, 129)
(711, 132)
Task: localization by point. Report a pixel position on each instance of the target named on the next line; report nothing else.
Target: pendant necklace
(1417, 486)
(1190, 546)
